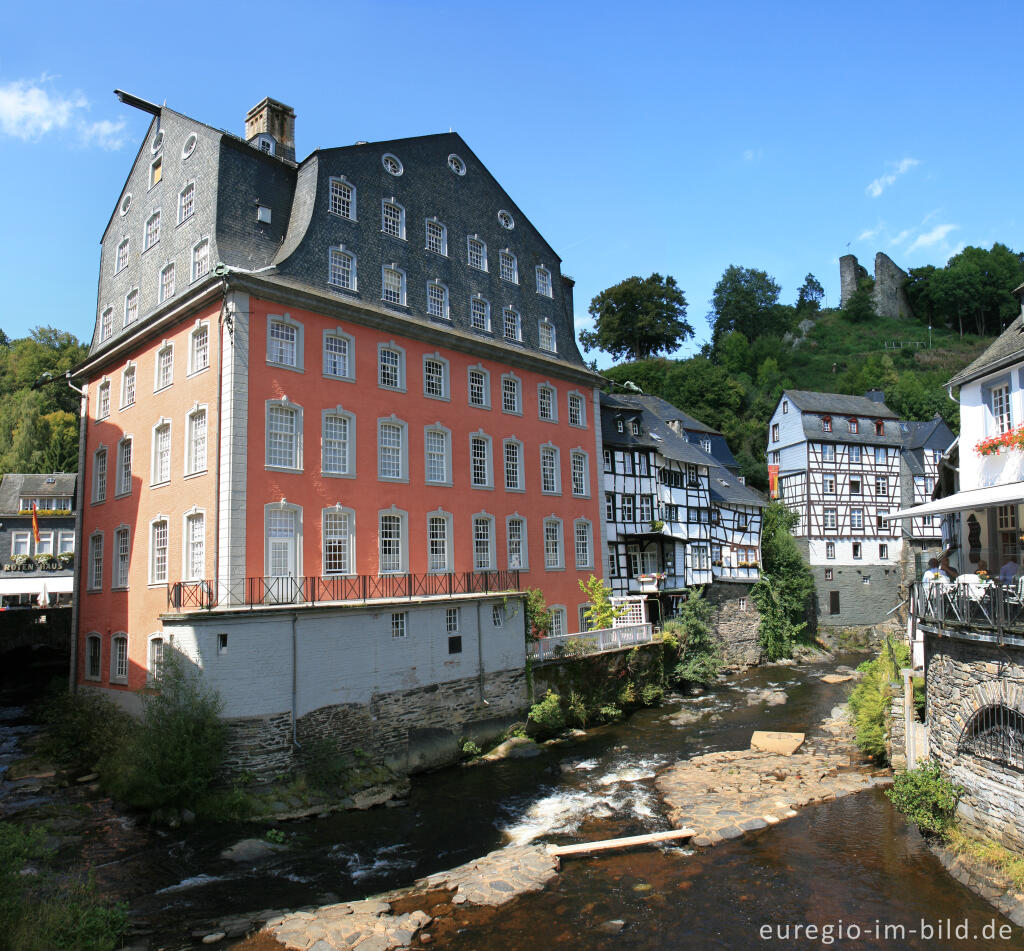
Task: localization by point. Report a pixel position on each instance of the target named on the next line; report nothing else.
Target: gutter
(76, 595)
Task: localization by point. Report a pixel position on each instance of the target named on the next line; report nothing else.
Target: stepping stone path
(722, 795)
(370, 925)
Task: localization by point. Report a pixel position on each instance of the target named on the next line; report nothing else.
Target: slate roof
(725, 487)
(1006, 349)
(655, 433)
(838, 404)
(15, 485)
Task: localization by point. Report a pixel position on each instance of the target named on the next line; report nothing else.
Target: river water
(851, 867)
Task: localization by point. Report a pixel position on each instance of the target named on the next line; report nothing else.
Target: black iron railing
(985, 607)
(320, 589)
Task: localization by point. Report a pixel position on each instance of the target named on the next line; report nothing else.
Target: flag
(35, 523)
(773, 481)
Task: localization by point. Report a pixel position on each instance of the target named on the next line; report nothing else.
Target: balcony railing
(986, 608)
(590, 642)
(318, 589)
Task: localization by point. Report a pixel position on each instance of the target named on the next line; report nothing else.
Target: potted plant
(657, 525)
(65, 559)
(23, 562)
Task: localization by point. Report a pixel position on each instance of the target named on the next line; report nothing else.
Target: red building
(335, 421)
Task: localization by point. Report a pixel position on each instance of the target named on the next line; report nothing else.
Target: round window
(158, 140)
(506, 220)
(456, 164)
(190, 146)
(392, 164)
(126, 203)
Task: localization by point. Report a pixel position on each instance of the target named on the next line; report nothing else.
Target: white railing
(591, 642)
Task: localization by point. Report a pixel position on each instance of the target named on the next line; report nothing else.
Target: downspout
(295, 681)
(76, 589)
(225, 327)
(480, 655)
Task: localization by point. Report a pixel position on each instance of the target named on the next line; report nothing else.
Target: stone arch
(992, 693)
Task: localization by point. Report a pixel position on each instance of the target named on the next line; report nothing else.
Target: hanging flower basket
(1011, 439)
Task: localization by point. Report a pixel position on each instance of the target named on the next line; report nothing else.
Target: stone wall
(851, 273)
(889, 294)
(598, 671)
(259, 745)
(963, 676)
(735, 622)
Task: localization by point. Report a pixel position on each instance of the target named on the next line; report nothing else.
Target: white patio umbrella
(44, 596)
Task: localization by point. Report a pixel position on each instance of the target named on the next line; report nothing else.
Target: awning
(25, 583)
(971, 499)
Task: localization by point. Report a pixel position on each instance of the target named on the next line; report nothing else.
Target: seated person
(1008, 573)
(933, 575)
(982, 570)
(947, 569)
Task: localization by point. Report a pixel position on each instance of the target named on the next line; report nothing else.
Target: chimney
(876, 396)
(270, 126)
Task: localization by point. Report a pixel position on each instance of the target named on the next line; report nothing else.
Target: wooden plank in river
(605, 845)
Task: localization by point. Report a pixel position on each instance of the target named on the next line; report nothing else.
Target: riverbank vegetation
(1009, 865)
(926, 797)
(871, 699)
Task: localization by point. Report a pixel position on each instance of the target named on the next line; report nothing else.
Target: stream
(849, 864)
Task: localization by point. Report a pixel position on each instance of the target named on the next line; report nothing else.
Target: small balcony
(312, 590)
(740, 572)
(979, 610)
(590, 642)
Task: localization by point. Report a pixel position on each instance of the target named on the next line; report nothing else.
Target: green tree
(860, 308)
(784, 592)
(602, 613)
(744, 299)
(698, 657)
(638, 318)
(809, 297)
(538, 617)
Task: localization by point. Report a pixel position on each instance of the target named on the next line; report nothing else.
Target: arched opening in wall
(995, 733)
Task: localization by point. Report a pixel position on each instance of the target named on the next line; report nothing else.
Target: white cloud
(880, 184)
(29, 109)
(930, 238)
(868, 233)
(903, 235)
(753, 155)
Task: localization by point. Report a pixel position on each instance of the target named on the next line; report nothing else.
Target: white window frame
(434, 566)
(403, 541)
(559, 622)
(100, 467)
(524, 553)
(392, 203)
(551, 451)
(350, 540)
(156, 476)
(517, 389)
(402, 285)
(350, 355)
(106, 323)
(517, 324)
(192, 462)
(121, 255)
(548, 388)
(296, 511)
(186, 201)
(518, 467)
(195, 335)
(103, 400)
(156, 647)
(554, 557)
(167, 271)
(123, 483)
(445, 393)
(297, 436)
(342, 181)
(147, 240)
(95, 577)
(508, 266)
(428, 431)
(400, 387)
(349, 470)
(442, 249)
(479, 520)
(131, 307)
(470, 239)
(21, 543)
(155, 577)
(65, 542)
(445, 310)
(275, 357)
(488, 460)
(200, 258)
(403, 449)
(544, 339)
(90, 639)
(583, 457)
(187, 520)
(129, 374)
(486, 305)
(588, 561)
(544, 285)
(119, 658)
(341, 251)
(478, 368)
(576, 398)
(167, 347)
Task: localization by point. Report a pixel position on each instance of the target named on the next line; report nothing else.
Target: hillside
(737, 388)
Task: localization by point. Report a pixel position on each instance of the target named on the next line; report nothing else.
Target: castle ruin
(889, 295)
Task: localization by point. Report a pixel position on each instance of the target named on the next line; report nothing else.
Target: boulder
(785, 744)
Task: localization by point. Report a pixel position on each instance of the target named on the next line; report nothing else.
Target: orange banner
(773, 481)
(35, 523)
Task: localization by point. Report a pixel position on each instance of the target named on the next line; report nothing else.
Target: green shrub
(920, 700)
(469, 748)
(871, 699)
(82, 728)
(652, 694)
(610, 713)
(576, 709)
(547, 713)
(697, 659)
(626, 696)
(175, 753)
(601, 613)
(926, 798)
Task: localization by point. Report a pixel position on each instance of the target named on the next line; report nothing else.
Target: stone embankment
(379, 924)
(723, 795)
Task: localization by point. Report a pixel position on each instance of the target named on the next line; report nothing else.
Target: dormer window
(879, 428)
(265, 143)
(620, 426)
(853, 425)
(635, 427)
(826, 424)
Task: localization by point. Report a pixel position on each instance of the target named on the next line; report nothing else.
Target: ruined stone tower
(889, 295)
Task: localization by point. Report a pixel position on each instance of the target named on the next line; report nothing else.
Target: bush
(610, 713)
(576, 707)
(920, 699)
(926, 798)
(871, 699)
(82, 728)
(652, 695)
(697, 657)
(547, 714)
(175, 753)
(469, 748)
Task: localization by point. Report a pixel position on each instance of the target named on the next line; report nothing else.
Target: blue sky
(679, 138)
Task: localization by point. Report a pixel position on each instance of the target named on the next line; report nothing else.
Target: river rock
(611, 927)
(836, 678)
(515, 747)
(250, 850)
(213, 937)
(784, 743)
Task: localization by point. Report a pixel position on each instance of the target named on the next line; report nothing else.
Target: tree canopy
(810, 296)
(638, 318)
(745, 299)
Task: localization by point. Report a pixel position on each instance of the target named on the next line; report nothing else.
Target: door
(281, 556)
(833, 602)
